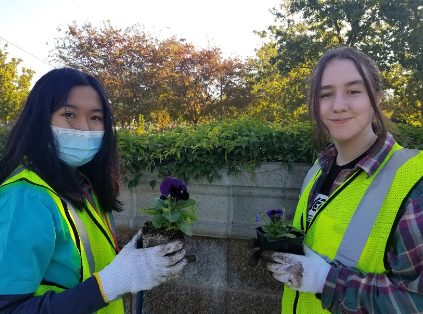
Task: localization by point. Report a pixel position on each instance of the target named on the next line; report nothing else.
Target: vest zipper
(297, 297)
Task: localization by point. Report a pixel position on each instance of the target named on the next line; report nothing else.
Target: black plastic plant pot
(285, 245)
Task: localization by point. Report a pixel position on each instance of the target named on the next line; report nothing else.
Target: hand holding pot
(275, 234)
(303, 273)
(292, 244)
(134, 269)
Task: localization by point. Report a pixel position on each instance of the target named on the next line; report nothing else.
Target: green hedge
(191, 153)
(410, 136)
(202, 151)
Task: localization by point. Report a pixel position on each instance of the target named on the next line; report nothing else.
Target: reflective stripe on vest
(309, 176)
(361, 224)
(112, 223)
(84, 237)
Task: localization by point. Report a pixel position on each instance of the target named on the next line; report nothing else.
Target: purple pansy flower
(275, 214)
(175, 187)
(258, 218)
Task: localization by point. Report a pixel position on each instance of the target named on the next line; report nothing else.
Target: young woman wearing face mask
(361, 204)
(60, 183)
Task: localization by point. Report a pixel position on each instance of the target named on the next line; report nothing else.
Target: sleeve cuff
(97, 277)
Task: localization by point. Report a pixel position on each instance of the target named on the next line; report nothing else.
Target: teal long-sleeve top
(35, 245)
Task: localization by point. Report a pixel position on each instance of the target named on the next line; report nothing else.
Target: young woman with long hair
(361, 203)
(59, 183)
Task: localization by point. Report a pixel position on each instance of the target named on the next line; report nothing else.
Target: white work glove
(306, 273)
(133, 269)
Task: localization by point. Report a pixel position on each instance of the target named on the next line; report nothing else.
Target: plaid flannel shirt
(400, 290)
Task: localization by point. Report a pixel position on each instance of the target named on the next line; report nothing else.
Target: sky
(29, 27)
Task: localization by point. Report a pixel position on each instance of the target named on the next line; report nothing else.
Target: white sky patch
(31, 26)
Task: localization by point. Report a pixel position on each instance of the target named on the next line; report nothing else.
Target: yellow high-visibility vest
(95, 245)
(353, 225)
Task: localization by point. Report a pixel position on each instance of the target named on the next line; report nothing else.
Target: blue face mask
(76, 147)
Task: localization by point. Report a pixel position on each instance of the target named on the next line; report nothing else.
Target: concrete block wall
(220, 281)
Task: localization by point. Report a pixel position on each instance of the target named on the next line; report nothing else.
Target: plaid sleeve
(401, 289)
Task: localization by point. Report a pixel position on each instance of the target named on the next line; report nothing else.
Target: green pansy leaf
(271, 236)
(266, 229)
(173, 217)
(159, 202)
(288, 235)
(189, 214)
(151, 211)
(157, 221)
(185, 228)
(187, 203)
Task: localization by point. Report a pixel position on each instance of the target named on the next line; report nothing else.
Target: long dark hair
(372, 81)
(31, 142)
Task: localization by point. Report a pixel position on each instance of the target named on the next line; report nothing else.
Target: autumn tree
(14, 86)
(198, 84)
(232, 89)
(120, 58)
(390, 31)
(162, 80)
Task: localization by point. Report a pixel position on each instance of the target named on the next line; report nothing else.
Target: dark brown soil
(152, 236)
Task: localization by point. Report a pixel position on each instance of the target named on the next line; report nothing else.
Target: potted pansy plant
(173, 213)
(276, 234)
